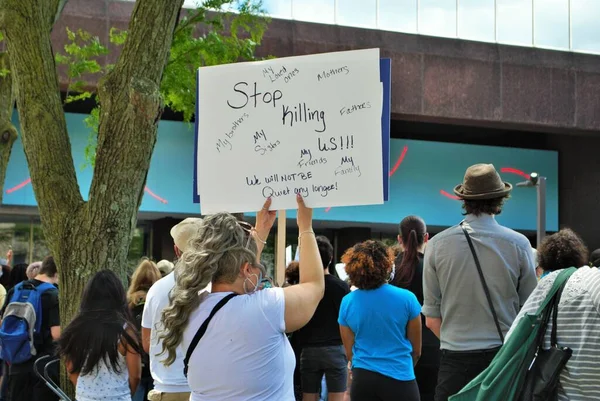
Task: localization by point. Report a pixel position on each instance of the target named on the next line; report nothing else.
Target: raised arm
(413, 332)
(302, 300)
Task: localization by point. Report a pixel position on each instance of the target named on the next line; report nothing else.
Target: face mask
(255, 285)
(392, 274)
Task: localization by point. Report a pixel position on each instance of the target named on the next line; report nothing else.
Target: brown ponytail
(412, 230)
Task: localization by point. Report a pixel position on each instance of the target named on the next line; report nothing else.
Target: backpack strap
(41, 289)
(202, 330)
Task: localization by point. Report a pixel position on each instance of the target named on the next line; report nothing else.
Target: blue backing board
(385, 71)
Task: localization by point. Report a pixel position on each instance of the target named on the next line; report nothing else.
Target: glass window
(321, 11)
(360, 13)
(398, 15)
(514, 22)
(585, 25)
(476, 20)
(437, 18)
(551, 23)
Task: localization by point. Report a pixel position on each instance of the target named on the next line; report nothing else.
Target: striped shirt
(578, 328)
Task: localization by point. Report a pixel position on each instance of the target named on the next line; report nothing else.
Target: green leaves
(82, 52)
(92, 122)
(117, 36)
(230, 31)
(216, 32)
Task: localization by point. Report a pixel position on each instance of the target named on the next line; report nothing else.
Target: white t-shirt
(167, 379)
(244, 354)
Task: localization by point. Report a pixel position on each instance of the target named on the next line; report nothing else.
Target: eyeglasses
(248, 229)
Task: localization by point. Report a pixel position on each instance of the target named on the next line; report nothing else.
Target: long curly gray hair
(215, 254)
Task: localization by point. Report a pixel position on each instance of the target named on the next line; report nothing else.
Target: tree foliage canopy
(217, 32)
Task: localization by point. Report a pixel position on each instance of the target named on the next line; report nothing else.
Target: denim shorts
(329, 361)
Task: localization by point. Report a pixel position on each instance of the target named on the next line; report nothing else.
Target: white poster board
(307, 124)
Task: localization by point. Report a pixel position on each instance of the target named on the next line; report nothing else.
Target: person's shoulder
(265, 297)
(514, 236)
(337, 283)
(162, 287)
(445, 234)
(397, 291)
(349, 297)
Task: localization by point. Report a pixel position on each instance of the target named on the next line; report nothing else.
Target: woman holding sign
(243, 354)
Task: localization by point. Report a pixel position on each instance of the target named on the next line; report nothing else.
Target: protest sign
(309, 125)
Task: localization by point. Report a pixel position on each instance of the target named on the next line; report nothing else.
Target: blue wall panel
(425, 170)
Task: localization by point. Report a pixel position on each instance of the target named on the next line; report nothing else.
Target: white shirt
(244, 354)
(167, 379)
(103, 383)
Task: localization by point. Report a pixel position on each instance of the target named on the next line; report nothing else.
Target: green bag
(504, 378)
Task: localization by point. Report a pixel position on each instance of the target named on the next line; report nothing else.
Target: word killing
(301, 113)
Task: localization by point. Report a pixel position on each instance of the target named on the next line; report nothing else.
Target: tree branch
(27, 25)
(131, 105)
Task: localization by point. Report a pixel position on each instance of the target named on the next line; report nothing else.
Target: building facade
(455, 102)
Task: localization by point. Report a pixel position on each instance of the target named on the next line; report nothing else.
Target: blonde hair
(145, 275)
(215, 254)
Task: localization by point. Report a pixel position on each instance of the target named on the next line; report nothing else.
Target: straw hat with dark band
(482, 181)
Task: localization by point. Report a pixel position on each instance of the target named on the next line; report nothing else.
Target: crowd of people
(416, 321)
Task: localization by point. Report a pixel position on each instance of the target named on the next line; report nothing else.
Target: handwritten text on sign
(307, 125)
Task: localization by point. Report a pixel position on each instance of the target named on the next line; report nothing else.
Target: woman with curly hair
(234, 337)
(380, 326)
(578, 319)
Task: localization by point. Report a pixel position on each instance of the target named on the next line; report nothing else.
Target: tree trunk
(8, 132)
(86, 237)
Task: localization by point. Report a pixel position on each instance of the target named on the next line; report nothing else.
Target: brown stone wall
(434, 79)
(453, 81)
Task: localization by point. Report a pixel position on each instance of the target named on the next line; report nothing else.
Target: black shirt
(323, 329)
(416, 285)
(50, 318)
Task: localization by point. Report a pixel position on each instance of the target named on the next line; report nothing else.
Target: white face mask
(255, 285)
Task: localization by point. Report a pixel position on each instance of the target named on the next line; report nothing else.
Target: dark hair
(412, 230)
(368, 264)
(292, 272)
(102, 324)
(48, 267)
(478, 207)
(325, 250)
(5, 279)
(562, 250)
(18, 274)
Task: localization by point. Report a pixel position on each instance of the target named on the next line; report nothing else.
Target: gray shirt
(453, 290)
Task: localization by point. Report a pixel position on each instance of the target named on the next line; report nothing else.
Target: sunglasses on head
(248, 229)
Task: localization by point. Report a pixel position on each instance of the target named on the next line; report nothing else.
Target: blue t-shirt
(378, 318)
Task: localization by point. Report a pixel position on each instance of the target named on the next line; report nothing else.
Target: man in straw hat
(170, 384)
(457, 304)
